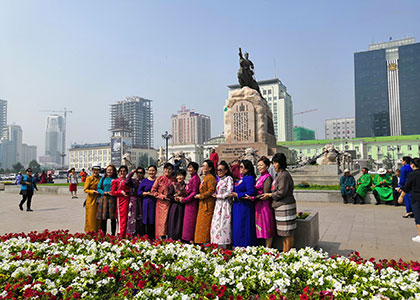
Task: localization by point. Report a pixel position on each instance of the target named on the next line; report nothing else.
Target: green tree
(143, 160)
(388, 163)
(17, 167)
(35, 166)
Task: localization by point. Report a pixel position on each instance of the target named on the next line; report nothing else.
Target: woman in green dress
(382, 184)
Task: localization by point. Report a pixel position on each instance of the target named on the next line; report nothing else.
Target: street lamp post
(166, 137)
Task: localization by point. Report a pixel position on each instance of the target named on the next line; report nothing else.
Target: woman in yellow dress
(91, 223)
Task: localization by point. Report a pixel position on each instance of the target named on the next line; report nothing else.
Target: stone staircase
(322, 175)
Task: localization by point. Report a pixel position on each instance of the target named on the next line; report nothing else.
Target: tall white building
(54, 138)
(134, 114)
(189, 127)
(342, 128)
(280, 103)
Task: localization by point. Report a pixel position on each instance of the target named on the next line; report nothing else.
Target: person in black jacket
(413, 186)
(396, 185)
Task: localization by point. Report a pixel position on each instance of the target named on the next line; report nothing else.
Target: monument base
(230, 152)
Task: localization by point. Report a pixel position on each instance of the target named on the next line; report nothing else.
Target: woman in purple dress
(149, 202)
(135, 224)
(191, 204)
(264, 212)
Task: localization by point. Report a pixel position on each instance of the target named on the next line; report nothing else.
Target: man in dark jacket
(396, 185)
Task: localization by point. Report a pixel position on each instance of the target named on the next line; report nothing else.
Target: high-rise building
(302, 134)
(189, 127)
(342, 128)
(3, 116)
(134, 114)
(280, 103)
(13, 133)
(54, 139)
(28, 154)
(387, 89)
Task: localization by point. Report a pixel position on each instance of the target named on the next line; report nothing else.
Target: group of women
(214, 209)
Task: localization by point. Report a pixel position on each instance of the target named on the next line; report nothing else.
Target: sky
(85, 55)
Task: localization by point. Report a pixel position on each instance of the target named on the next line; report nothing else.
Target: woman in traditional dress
(206, 203)
(264, 213)
(91, 223)
(135, 211)
(121, 191)
(243, 210)
(221, 224)
(160, 192)
(382, 187)
(176, 212)
(107, 204)
(284, 203)
(149, 202)
(191, 203)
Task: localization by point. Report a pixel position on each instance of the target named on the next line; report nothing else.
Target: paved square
(374, 231)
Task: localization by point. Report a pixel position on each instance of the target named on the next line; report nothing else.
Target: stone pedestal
(248, 124)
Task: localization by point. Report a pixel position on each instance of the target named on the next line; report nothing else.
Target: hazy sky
(85, 55)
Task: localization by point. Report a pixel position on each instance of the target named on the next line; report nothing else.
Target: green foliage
(388, 161)
(319, 187)
(18, 167)
(35, 166)
(143, 160)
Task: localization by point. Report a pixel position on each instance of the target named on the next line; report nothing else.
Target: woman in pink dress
(160, 191)
(191, 204)
(264, 213)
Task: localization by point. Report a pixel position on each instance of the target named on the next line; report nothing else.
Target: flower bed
(56, 265)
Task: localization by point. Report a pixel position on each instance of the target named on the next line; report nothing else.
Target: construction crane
(305, 111)
(65, 111)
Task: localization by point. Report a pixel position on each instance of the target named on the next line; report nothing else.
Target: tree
(143, 160)
(35, 166)
(17, 167)
(388, 161)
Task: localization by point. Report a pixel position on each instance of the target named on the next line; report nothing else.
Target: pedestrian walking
(405, 171)
(72, 178)
(27, 187)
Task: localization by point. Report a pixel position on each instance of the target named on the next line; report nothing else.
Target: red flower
(272, 297)
(210, 296)
(76, 295)
(304, 297)
(214, 288)
(141, 284)
(239, 297)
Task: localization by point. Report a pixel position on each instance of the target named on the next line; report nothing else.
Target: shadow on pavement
(333, 248)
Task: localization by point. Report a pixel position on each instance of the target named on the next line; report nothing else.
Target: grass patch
(318, 187)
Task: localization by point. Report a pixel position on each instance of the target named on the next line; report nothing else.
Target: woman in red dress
(121, 191)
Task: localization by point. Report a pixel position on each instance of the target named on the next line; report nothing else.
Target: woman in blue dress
(243, 210)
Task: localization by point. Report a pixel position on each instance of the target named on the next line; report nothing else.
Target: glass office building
(387, 89)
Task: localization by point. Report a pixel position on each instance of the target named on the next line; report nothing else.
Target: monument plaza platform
(373, 231)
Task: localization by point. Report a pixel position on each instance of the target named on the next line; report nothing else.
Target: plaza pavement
(373, 231)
